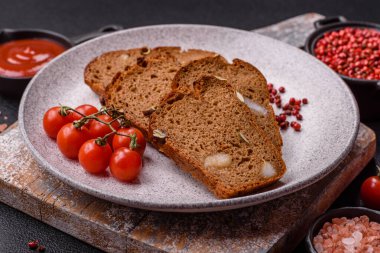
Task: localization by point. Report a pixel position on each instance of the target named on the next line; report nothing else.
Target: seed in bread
(212, 135)
(245, 78)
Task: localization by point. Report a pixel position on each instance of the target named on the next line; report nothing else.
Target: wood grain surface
(275, 226)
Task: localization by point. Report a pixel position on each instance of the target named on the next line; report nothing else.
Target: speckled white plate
(328, 131)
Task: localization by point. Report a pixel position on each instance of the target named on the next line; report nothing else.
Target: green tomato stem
(377, 164)
(116, 115)
(100, 141)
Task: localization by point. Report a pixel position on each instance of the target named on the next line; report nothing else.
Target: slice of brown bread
(100, 71)
(141, 89)
(245, 78)
(212, 135)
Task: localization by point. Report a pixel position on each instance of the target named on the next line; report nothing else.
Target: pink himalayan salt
(348, 235)
(3, 127)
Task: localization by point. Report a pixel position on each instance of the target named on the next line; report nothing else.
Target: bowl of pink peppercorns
(352, 50)
(347, 229)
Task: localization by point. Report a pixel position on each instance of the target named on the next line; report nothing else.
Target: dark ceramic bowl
(348, 212)
(14, 86)
(367, 92)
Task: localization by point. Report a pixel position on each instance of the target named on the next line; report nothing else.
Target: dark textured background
(77, 17)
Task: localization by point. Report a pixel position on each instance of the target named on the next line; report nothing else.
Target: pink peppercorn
(297, 126)
(353, 52)
(290, 109)
(33, 244)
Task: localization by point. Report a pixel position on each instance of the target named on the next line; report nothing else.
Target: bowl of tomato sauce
(24, 52)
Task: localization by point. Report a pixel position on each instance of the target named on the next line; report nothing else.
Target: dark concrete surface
(73, 18)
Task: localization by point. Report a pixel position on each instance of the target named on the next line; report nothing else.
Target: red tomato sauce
(23, 58)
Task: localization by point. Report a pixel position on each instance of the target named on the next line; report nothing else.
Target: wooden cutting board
(275, 226)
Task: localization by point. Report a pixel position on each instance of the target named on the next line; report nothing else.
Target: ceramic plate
(329, 127)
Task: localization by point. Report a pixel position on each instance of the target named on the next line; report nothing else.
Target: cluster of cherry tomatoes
(98, 139)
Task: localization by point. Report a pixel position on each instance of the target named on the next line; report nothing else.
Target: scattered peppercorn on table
(28, 187)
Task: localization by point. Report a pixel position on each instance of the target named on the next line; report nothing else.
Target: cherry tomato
(98, 129)
(70, 139)
(93, 157)
(53, 121)
(370, 192)
(123, 141)
(125, 164)
(84, 109)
